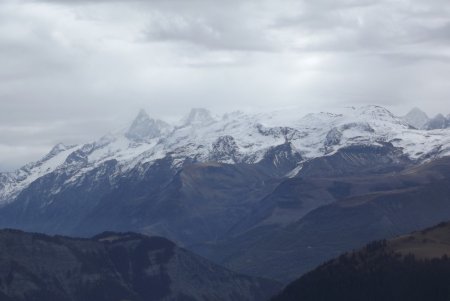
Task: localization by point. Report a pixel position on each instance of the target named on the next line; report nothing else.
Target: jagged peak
(144, 127)
(416, 111)
(437, 122)
(416, 118)
(141, 116)
(198, 116)
(57, 149)
(439, 118)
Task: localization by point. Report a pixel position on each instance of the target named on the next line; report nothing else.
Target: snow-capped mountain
(233, 138)
(198, 117)
(438, 122)
(416, 118)
(223, 184)
(144, 128)
(12, 183)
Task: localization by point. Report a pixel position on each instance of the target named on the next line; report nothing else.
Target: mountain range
(420, 120)
(269, 194)
(358, 207)
(233, 138)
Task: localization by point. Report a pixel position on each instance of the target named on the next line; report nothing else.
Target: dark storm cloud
(71, 70)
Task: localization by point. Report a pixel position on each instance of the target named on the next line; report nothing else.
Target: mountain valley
(268, 194)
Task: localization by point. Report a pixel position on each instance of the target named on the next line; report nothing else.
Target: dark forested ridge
(115, 267)
(409, 268)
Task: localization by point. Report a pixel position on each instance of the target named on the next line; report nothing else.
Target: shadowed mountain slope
(115, 266)
(407, 268)
(361, 208)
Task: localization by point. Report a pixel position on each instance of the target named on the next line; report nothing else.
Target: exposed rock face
(225, 149)
(357, 159)
(280, 160)
(115, 266)
(333, 137)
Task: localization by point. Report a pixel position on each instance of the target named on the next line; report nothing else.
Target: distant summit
(420, 120)
(198, 116)
(144, 127)
(416, 118)
(438, 122)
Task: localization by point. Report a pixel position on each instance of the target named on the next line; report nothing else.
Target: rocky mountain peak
(224, 149)
(198, 116)
(142, 116)
(416, 118)
(437, 122)
(333, 137)
(144, 127)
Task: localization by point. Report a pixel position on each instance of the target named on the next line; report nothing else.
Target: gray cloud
(211, 34)
(73, 70)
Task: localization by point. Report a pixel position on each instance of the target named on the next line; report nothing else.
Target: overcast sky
(72, 70)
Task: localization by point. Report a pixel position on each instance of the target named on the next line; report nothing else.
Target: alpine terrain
(269, 194)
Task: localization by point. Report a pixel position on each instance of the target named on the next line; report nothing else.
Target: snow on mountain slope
(12, 183)
(232, 138)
